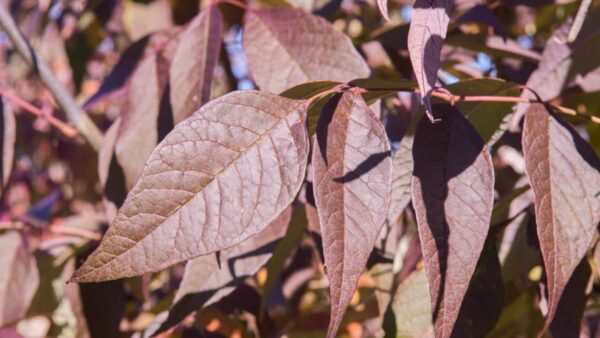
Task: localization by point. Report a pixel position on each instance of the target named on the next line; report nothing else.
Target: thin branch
(59, 229)
(56, 229)
(75, 114)
(67, 130)
(447, 96)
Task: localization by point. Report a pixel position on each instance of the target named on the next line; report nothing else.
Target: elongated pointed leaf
(453, 195)
(286, 47)
(383, 8)
(564, 174)
(411, 307)
(427, 32)
(8, 132)
(218, 178)
(194, 63)
(402, 162)
(352, 182)
(139, 129)
(19, 277)
(205, 281)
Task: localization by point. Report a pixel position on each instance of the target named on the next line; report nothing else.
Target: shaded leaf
(19, 277)
(484, 15)
(223, 175)
(493, 46)
(453, 195)
(352, 182)
(291, 240)
(206, 281)
(8, 132)
(564, 174)
(411, 307)
(572, 303)
(426, 35)
(490, 119)
(402, 163)
(194, 63)
(110, 173)
(139, 129)
(121, 72)
(308, 48)
(308, 90)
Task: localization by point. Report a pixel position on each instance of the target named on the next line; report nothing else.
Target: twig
(579, 19)
(75, 114)
(447, 96)
(59, 229)
(67, 130)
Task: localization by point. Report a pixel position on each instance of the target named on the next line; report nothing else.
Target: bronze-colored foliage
(564, 174)
(194, 63)
(453, 195)
(308, 48)
(237, 168)
(352, 184)
(245, 151)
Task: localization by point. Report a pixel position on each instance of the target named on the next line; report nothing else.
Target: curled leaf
(219, 177)
(564, 174)
(307, 48)
(453, 195)
(352, 185)
(427, 32)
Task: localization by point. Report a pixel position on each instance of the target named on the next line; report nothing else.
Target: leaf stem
(82, 122)
(57, 229)
(67, 130)
(447, 96)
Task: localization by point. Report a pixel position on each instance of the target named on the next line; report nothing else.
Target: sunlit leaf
(352, 182)
(305, 47)
(223, 175)
(453, 194)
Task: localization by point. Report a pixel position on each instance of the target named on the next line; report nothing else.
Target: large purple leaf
(564, 174)
(352, 185)
(221, 176)
(453, 195)
(194, 63)
(286, 47)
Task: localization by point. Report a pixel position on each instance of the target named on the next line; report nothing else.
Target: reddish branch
(56, 229)
(65, 100)
(67, 130)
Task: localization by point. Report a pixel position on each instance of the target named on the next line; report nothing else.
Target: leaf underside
(219, 177)
(305, 48)
(564, 174)
(352, 184)
(453, 194)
